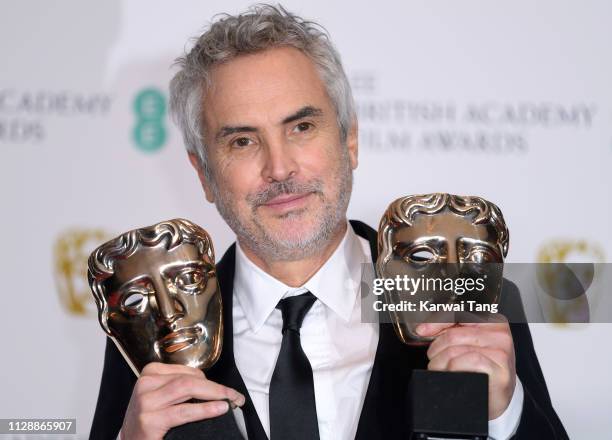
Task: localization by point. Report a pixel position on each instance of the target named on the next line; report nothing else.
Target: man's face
(163, 306)
(281, 177)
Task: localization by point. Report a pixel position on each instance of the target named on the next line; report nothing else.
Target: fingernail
(221, 407)
(236, 397)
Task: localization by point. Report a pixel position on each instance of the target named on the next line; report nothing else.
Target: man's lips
(286, 200)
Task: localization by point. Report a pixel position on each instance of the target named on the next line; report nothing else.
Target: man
(268, 119)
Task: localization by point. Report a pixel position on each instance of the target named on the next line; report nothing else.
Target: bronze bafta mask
(157, 295)
(440, 237)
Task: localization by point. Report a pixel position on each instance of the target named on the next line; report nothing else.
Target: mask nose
(451, 262)
(451, 265)
(452, 256)
(169, 308)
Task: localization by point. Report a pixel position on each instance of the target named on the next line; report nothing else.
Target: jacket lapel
(385, 407)
(225, 370)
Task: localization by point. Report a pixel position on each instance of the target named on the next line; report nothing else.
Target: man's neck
(296, 273)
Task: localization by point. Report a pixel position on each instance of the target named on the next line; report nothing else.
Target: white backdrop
(510, 100)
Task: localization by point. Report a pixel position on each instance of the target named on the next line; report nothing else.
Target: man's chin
(296, 238)
(292, 227)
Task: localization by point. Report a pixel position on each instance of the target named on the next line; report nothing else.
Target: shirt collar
(336, 283)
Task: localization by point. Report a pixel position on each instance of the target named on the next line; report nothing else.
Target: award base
(222, 427)
(449, 405)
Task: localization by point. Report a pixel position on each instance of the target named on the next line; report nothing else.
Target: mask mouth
(179, 339)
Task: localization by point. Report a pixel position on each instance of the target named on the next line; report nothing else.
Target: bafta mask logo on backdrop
(566, 277)
(564, 251)
(149, 134)
(70, 253)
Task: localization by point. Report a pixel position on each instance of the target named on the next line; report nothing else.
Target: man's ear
(352, 143)
(195, 162)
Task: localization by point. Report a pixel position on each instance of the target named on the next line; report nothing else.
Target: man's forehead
(264, 87)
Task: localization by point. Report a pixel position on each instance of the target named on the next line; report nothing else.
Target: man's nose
(280, 163)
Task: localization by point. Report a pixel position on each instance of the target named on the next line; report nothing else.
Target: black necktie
(293, 414)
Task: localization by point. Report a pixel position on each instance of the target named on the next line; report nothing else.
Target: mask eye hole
(134, 301)
(422, 256)
(480, 255)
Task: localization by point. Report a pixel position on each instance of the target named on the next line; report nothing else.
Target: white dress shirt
(340, 348)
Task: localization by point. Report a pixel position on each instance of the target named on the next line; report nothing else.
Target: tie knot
(294, 309)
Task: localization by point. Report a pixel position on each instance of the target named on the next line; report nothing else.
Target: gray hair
(261, 27)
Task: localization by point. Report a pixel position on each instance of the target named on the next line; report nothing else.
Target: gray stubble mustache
(285, 187)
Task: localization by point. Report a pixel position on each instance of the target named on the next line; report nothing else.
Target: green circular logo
(149, 133)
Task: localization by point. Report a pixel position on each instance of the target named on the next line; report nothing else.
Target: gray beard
(271, 248)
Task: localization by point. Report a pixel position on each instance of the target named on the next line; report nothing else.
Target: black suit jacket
(383, 416)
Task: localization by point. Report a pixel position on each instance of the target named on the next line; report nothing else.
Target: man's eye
(190, 281)
(303, 126)
(241, 142)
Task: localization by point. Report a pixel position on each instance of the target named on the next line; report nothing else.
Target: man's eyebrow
(301, 113)
(228, 130)
(304, 112)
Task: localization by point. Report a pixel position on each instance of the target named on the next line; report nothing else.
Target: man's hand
(157, 402)
(476, 347)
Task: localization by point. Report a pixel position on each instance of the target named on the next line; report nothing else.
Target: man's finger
(428, 329)
(441, 361)
(150, 382)
(469, 362)
(475, 319)
(185, 413)
(182, 388)
(482, 335)
(159, 368)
